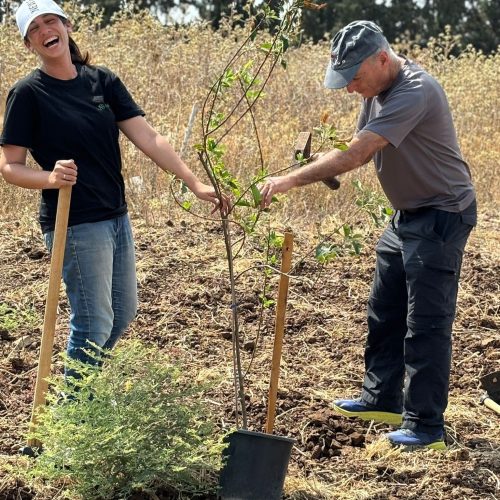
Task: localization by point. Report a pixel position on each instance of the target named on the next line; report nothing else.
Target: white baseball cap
(30, 9)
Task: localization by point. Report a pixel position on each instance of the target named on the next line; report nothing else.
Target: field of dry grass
(182, 274)
(168, 70)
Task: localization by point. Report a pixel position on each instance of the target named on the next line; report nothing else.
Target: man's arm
(361, 150)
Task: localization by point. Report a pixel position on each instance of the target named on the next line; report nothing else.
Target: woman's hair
(76, 55)
(74, 50)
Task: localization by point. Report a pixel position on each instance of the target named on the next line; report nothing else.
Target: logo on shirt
(99, 101)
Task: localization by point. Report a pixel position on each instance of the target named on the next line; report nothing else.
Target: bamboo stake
(49, 322)
(279, 329)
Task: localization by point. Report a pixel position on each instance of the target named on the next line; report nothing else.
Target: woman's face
(48, 36)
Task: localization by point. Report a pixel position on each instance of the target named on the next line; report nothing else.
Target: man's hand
(274, 185)
(207, 193)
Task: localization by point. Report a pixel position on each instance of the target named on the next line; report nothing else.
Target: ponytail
(76, 55)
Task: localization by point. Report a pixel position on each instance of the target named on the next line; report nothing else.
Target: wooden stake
(279, 329)
(49, 322)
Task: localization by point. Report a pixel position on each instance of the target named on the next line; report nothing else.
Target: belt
(414, 210)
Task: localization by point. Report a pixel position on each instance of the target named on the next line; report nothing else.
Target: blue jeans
(101, 285)
(410, 315)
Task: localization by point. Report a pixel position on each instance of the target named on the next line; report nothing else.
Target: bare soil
(185, 309)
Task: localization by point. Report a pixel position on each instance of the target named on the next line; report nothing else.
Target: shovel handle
(49, 322)
(279, 328)
(491, 404)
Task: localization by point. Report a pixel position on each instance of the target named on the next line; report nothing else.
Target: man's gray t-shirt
(422, 165)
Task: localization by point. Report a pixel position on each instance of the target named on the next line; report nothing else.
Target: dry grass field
(183, 284)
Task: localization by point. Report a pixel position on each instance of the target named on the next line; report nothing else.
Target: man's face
(370, 80)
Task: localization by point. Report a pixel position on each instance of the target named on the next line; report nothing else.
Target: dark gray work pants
(410, 314)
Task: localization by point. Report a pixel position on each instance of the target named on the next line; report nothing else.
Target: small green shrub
(12, 318)
(135, 425)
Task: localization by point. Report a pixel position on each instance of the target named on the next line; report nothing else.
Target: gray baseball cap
(30, 9)
(350, 47)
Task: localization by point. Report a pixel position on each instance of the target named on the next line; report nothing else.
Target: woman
(69, 114)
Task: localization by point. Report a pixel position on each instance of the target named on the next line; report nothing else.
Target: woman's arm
(156, 147)
(14, 170)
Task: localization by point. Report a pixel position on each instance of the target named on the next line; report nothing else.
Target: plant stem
(238, 374)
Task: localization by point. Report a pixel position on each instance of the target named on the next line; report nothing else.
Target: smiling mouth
(51, 42)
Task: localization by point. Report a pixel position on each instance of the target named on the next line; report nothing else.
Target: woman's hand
(207, 193)
(64, 174)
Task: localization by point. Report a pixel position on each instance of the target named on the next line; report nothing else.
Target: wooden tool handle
(279, 329)
(492, 405)
(303, 147)
(49, 322)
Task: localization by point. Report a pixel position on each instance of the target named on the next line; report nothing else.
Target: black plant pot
(255, 466)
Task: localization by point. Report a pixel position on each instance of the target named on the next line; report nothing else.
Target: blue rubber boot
(365, 411)
(414, 440)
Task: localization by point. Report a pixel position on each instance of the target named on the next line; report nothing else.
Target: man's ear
(384, 57)
(69, 26)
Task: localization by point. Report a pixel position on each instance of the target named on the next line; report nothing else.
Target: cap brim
(340, 78)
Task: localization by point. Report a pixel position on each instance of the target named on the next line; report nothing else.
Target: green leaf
(228, 78)
(216, 120)
(266, 303)
(347, 229)
(266, 47)
(257, 197)
(243, 203)
(276, 240)
(248, 65)
(325, 252)
(211, 144)
(357, 247)
(186, 205)
(284, 43)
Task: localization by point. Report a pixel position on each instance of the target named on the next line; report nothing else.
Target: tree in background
(477, 21)
(336, 14)
(482, 24)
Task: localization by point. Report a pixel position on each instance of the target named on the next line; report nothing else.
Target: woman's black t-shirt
(74, 120)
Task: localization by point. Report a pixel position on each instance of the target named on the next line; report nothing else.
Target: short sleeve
(399, 115)
(20, 118)
(361, 119)
(122, 103)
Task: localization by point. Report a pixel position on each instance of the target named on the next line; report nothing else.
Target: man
(405, 126)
